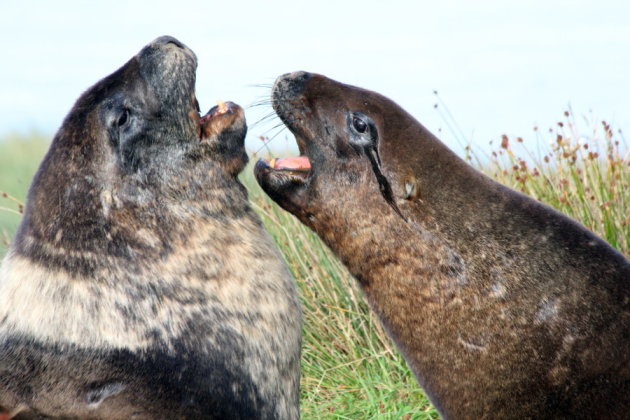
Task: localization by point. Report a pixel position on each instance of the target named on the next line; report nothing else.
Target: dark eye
(124, 117)
(359, 125)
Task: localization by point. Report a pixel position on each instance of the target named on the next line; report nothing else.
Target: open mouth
(286, 170)
(284, 179)
(217, 119)
(299, 164)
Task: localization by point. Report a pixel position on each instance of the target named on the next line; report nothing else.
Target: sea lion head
(349, 139)
(133, 145)
(147, 114)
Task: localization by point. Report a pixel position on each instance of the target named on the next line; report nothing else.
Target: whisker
(277, 129)
(265, 145)
(269, 140)
(280, 124)
(261, 85)
(260, 102)
(277, 134)
(265, 118)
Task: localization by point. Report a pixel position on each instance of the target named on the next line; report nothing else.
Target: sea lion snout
(293, 83)
(223, 116)
(167, 43)
(168, 67)
(286, 178)
(223, 130)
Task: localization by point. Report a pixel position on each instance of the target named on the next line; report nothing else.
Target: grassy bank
(350, 370)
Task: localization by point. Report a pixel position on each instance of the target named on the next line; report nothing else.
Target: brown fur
(502, 306)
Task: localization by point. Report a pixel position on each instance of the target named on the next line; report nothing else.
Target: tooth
(222, 106)
(272, 163)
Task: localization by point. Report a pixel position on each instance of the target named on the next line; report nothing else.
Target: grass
(584, 172)
(20, 155)
(350, 369)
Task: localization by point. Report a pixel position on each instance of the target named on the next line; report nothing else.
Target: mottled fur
(140, 283)
(502, 306)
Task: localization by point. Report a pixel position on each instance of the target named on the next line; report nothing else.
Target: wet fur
(502, 306)
(140, 283)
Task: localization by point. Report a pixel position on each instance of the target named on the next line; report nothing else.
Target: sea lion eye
(359, 125)
(122, 120)
(361, 129)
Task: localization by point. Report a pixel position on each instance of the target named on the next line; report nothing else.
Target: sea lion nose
(166, 39)
(293, 82)
(168, 47)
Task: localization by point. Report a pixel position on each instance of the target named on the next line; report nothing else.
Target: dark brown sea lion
(140, 283)
(502, 306)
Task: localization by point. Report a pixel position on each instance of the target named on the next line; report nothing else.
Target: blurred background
(499, 67)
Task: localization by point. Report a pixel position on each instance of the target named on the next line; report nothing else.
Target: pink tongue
(300, 162)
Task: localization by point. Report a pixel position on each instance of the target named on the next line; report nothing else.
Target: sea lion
(502, 306)
(140, 283)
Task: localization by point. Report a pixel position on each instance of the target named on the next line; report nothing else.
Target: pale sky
(500, 66)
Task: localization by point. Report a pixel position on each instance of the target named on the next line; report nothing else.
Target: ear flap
(412, 189)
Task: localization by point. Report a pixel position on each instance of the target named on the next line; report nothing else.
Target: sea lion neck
(360, 234)
(166, 203)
